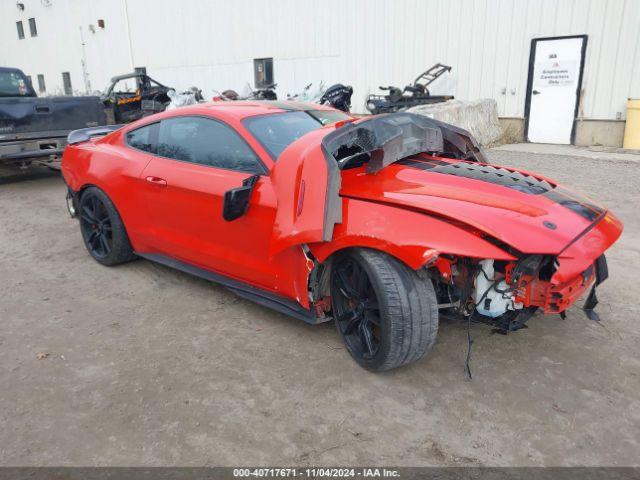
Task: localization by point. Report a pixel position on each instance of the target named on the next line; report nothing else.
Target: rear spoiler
(84, 134)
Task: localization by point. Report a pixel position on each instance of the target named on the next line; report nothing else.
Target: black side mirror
(236, 200)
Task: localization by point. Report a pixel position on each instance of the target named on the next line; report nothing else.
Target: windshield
(131, 85)
(279, 130)
(121, 86)
(14, 84)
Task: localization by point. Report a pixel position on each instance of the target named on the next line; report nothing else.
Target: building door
(553, 89)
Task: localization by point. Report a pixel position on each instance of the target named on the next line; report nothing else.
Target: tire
(102, 229)
(396, 306)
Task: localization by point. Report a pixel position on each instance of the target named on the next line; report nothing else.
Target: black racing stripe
(575, 203)
(584, 232)
(511, 179)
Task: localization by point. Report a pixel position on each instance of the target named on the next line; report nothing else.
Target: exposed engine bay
(506, 294)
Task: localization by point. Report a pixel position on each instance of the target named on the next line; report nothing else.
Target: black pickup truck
(35, 129)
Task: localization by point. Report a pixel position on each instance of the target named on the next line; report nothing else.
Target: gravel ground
(147, 366)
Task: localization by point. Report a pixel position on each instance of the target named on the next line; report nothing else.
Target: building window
(32, 27)
(41, 86)
(66, 81)
(263, 72)
(20, 30)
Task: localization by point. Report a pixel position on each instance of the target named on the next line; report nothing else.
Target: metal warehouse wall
(365, 43)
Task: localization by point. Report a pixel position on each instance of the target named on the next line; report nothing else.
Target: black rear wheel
(386, 313)
(102, 229)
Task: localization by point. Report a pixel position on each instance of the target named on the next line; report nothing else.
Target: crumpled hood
(525, 211)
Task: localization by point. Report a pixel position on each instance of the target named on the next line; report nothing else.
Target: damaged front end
(505, 294)
(498, 244)
(487, 290)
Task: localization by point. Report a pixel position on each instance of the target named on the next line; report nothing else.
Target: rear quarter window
(143, 138)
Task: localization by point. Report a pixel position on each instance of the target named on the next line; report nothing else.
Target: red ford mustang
(379, 223)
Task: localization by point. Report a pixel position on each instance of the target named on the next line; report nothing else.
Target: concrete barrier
(479, 117)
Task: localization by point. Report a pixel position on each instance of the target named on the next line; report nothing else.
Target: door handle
(536, 92)
(41, 109)
(160, 182)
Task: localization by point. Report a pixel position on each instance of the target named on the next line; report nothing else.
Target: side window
(143, 138)
(66, 83)
(32, 27)
(206, 142)
(42, 88)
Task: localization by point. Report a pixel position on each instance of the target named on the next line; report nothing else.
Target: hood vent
(486, 173)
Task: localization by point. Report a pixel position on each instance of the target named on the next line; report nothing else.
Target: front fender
(306, 184)
(414, 238)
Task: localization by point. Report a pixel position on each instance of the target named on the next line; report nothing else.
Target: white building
(364, 43)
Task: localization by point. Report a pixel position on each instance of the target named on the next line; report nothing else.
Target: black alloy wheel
(386, 313)
(103, 231)
(357, 312)
(96, 226)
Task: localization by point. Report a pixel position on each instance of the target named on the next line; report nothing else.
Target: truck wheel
(387, 315)
(102, 229)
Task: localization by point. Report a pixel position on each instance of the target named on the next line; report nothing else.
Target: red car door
(199, 159)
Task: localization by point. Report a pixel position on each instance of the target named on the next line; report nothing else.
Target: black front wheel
(386, 314)
(102, 229)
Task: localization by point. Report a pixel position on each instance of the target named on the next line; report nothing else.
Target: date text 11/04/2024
(322, 472)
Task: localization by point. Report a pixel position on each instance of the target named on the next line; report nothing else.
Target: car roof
(129, 75)
(10, 70)
(245, 108)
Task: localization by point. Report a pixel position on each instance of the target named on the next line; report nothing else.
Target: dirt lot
(147, 366)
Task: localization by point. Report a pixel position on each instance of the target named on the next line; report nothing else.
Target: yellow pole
(632, 128)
